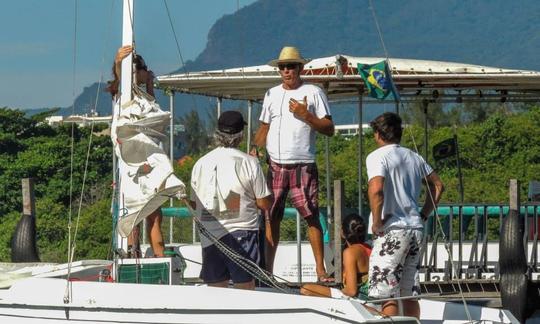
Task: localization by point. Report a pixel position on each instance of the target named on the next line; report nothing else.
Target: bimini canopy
(415, 79)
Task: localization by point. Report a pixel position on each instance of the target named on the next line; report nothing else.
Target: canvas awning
(338, 74)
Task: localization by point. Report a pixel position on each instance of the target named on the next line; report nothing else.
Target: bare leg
(221, 284)
(250, 285)
(316, 240)
(134, 243)
(315, 290)
(390, 308)
(272, 241)
(153, 224)
(411, 308)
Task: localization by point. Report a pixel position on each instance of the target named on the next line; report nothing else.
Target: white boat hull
(41, 300)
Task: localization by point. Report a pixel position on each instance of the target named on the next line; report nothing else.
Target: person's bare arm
(376, 200)
(121, 54)
(260, 136)
(436, 189)
(323, 125)
(264, 203)
(350, 275)
(259, 140)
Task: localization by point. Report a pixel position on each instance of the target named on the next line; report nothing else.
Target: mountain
(486, 32)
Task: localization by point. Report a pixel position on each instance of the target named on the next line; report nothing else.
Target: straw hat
(288, 54)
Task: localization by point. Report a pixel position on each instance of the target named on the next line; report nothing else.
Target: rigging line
(246, 264)
(72, 149)
(179, 52)
(72, 245)
(372, 8)
(241, 261)
(437, 219)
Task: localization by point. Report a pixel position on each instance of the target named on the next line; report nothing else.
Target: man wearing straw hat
(292, 113)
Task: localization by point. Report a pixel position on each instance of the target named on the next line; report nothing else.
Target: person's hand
(254, 151)
(122, 53)
(377, 228)
(299, 109)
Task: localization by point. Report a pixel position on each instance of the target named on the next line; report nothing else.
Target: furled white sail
(146, 177)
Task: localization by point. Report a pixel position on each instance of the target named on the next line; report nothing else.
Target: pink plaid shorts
(302, 180)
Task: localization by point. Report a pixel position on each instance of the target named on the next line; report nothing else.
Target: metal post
(328, 190)
(329, 216)
(458, 162)
(425, 104)
(299, 247)
(339, 191)
(249, 125)
(360, 150)
(218, 108)
(171, 155)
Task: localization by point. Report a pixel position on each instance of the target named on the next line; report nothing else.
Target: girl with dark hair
(355, 263)
(143, 75)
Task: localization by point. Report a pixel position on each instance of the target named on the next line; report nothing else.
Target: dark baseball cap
(231, 122)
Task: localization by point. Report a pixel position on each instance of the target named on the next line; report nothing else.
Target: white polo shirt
(289, 139)
(403, 171)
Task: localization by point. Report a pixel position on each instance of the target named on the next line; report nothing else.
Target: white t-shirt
(289, 139)
(403, 171)
(225, 184)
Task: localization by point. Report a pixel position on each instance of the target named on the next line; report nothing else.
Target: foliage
(32, 149)
(492, 152)
(196, 135)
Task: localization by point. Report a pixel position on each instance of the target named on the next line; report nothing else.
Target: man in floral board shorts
(395, 177)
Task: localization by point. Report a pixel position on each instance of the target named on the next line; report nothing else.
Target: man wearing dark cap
(228, 187)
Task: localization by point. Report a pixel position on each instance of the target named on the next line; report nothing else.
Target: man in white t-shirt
(228, 188)
(292, 113)
(395, 177)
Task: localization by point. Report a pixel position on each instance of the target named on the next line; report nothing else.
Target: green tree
(196, 135)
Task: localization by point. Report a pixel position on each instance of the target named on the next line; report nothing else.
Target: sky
(42, 43)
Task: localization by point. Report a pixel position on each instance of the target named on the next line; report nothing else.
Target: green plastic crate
(152, 273)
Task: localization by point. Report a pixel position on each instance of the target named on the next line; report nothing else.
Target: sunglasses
(289, 66)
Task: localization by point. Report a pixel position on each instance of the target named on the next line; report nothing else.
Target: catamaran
(48, 294)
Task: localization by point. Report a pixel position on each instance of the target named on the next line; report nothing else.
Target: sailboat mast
(126, 82)
(127, 63)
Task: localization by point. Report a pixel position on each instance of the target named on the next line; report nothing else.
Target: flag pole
(458, 162)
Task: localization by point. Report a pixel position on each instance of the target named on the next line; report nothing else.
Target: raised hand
(299, 109)
(122, 53)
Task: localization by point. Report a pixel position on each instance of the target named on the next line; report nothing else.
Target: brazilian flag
(378, 80)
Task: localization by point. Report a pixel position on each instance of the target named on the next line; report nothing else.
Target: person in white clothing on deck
(144, 77)
(228, 188)
(292, 113)
(395, 176)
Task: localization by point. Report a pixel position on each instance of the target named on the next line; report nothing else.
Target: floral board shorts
(394, 264)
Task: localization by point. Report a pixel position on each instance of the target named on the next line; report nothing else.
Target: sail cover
(146, 178)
